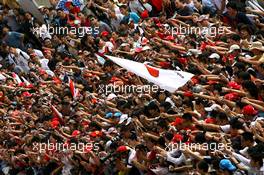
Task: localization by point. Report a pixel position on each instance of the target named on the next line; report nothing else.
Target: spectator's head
(232, 8)
(235, 126)
(179, 4)
(61, 13)
(29, 48)
(28, 15)
(164, 106)
(256, 155)
(204, 20)
(94, 21)
(187, 118)
(257, 48)
(234, 39)
(251, 88)
(227, 167)
(203, 167)
(5, 30)
(47, 43)
(153, 109)
(245, 31)
(124, 9)
(247, 139)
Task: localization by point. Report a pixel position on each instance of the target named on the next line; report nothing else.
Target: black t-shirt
(52, 64)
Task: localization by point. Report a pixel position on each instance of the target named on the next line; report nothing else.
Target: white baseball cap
(215, 55)
(233, 48)
(211, 108)
(123, 118)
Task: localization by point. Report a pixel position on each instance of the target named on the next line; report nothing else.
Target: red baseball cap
(26, 94)
(177, 138)
(96, 134)
(178, 121)
(249, 110)
(233, 85)
(75, 133)
(54, 124)
(121, 149)
(231, 96)
(144, 14)
(104, 33)
(209, 120)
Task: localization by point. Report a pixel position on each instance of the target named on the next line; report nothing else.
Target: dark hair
(95, 125)
(169, 136)
(261, 65)
(203, 165)
(235, 37)
(247, 28)
(235, 123)
(256, 153)
(248, 136)
(251, 87)
(108, 63)
(141, 147)
(252, 72)
(232, 5)
(192, 43)
(187, 116)
(244, 75)
(166, 105)
(152, 105)
(222, 116)
(200, 137)
(123, 7)
(241, 66)
(60, 9)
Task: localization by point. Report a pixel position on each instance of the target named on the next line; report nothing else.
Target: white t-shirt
(132, 154)
(38, 53)
(44, 65)
(244, 151)
(175, 161)
(108, 46)
(135, 6)
(225, 128)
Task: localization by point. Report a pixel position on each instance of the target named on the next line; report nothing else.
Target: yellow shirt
(262, 58)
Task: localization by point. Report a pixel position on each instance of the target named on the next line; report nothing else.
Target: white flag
(169, 80)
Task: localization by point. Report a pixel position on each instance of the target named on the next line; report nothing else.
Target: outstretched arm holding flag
(169, 80)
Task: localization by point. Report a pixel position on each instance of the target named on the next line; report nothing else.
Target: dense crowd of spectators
(52, 103)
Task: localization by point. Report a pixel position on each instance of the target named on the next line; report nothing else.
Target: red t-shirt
(157, 4)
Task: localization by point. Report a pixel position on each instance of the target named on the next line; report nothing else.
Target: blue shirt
(134, 16)
(14, 39)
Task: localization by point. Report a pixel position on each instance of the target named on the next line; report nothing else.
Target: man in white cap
(205, 24)
(234, 48)
(258, 50)
(214, 56)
